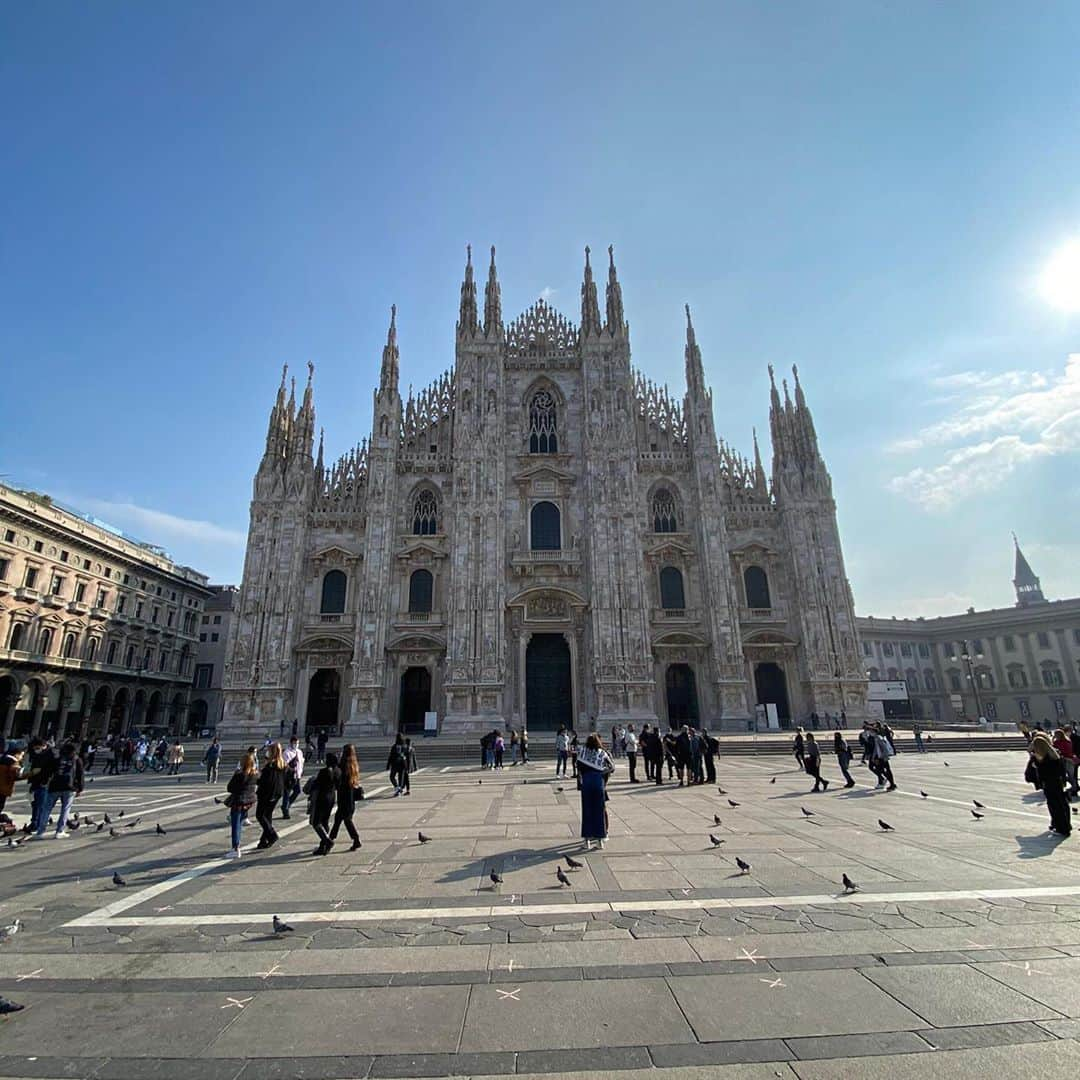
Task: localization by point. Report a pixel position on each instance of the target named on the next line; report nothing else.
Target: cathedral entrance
(770, 682)
(548, 688)
(682, 703)
(415, 699)
(324, 693)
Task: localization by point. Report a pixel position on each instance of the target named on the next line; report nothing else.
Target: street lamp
(971, 676)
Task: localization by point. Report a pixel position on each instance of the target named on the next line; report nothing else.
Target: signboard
(431, 724)
(887, 691)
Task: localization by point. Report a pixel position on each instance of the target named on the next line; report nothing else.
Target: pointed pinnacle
(586, 256)
(468, 254)
(611, 256)
(310, 372)
(493, 257)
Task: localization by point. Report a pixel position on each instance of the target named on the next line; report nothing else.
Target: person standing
(323, 788)
(513, 747)
(395, 764)
(813, 762)
(113, 767)
(1051, 770)
(176, 758)
(348, 784)
(40, 767)
(65, 783)
(268, 790)
(594, 766)
(293, 757)
(211, 759)
(562, 750)
(1064, 746)
(523, 746)
(242, 795)
(499, 747)
(799, 748)
(631, 752)
(712, 749)
(409, 766)
(321, 740)
(574, 747)
(916, 731)
(10, 766)
(843, 757)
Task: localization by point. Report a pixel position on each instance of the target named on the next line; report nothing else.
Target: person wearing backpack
(293, 757)
(395, 764)
(65, 782)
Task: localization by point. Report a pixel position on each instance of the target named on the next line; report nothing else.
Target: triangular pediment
(411, 550)
(543, 469)
(541, 331)
(335, 553)
(669, 548)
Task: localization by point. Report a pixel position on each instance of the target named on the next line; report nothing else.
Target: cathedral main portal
(548, 683)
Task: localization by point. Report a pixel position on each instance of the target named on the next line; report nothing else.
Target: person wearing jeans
(562, 751)
(65, 783)
(39, 772)
(242, 795)
(293, 757)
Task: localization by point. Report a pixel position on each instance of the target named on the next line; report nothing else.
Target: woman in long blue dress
(594, 767)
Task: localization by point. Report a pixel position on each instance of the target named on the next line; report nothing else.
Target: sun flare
(1059, 282)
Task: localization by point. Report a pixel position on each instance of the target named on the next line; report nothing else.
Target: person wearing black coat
(268, 791)
(241, 789)
(348, 784)
(1051, 772)
(322, 788)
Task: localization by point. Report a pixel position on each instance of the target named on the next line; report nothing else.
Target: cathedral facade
(541, 537)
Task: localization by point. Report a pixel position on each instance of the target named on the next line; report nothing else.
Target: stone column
(570, 637)
(39, 708)
(9, 717)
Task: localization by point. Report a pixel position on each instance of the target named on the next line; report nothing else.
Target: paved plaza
(958, 955)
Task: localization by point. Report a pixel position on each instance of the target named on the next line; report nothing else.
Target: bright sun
(1060, 280)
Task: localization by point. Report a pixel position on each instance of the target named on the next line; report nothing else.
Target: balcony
(24, 592)
(6, 588)
(675, 614)
(53, 600)
(558, 562)
(77, 607)
(769, 616)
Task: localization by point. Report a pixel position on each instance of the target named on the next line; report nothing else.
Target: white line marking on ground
(446, 768)
(237, 1003)
(509, 995)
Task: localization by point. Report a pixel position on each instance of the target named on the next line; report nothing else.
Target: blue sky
(194, 194)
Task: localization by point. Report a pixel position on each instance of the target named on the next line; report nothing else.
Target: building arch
(672, 590)
(335, 584)
(545, 527)
(17, 636)
(544, 408)
(665, 508)
(756, 583)
(424, 506)
(421, 591)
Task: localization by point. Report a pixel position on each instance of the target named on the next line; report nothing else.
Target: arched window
(543, 428)
(1051, 676)
(544, 531)
(333, 593)
(90, 649)
(425, 515)
(911, 677)
(18, 636)
(930, 679)
(148, 657)
(672, 596)
(664, 517)
(110, 656)
(129, 660)
(757, 587)
(894, 675)
(45, 641)
(421, 588)
(69, 646)
(1018, 679)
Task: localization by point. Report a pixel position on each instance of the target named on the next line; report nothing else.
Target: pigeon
(563, 879)
(806, 813)
(100, 826)
(977, 816)
(281, 927)
(721, 791)
(945, 763)
(88, 820)
(573, 863)
(73, 825)
(885, 826)
(849, 885)
(496, 879)
(117, 880)
(121, 814)
(732, 802)
(132, 824)
(218, 801)
(479, 781)
(978, 805)
(113, 833)
(773, 780)
(159, 830)
(716, 819)
(558, 789)
(108, 820)
(8, 932)
(744, 867)
(924, 795)
(9, 1006)
(422, 838)
(716, 841)
(12, 842)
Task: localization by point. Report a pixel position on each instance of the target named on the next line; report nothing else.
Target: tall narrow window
(18, 636)
(110, 657)
(543, 427)
(664, 517)
(69, 646)
(91, 648)
(45, 641)
(672, 595)
(425, 518)
(544, 531)
(420, 591)
(333, 593)
(757, 590)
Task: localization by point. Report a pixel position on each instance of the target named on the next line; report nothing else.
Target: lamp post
(972, 677)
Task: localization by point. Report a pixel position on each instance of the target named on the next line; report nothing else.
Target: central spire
(492, 302)
(388, 377)
(467, 317)
(590, 307)
(615, 317)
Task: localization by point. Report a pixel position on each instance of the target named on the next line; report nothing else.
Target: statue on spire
(388, 377)
(590, 307)
(615, 316)
(695, 371)
(492, 301)
(467, 316)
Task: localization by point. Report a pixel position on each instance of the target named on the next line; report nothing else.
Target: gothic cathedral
(542, 537)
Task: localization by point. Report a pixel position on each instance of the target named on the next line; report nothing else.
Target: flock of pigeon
(75, 823)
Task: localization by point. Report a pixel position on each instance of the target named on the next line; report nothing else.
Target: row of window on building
(1017, 677)
(955, 650)
(19, 639)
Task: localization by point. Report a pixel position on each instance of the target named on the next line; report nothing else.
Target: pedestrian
(1051, 770)
(866, 742)
(573, 754)
(322, 789)
(879, 761)
(176, 758)
(268, 790)
(595, 766)
(841, 721)
(321, 740)
(10, 767)
(295, 729)
(712, 750)
(697, 756)
(117, 755)
(348, 784)
(65, 784)
(40, 766)
(242, 795)
(513, 747)
(309, 746)
(395, 764)
(631, 752)
(211, 760)
(281, 728)
(484, 749)
(293, 757)
(614, 740)
(1063, 745)
(562, 750)
(843, 757)
(499, 746)
(798, 746)
(916, 731)
(523, 746)
(813, 762)
(90, 755)
(669, 752)
(409, 766)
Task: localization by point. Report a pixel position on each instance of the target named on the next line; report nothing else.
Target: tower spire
(1025, 581)
(319, 460)
(492, 301)
(615, 316)
(388, 377)
(760, 486)
(695, 373)
(590, 307)
(467, 317)
(277, 428)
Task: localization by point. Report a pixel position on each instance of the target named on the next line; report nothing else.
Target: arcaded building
(541, 537)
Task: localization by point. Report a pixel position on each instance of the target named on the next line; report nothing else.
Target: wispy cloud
(155, 526)
(998, 423)
(547, 293)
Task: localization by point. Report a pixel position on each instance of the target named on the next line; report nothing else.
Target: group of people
(493, 748)
(53, 775)
(1053, 757)
(878, 748)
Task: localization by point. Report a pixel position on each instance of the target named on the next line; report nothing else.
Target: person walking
(348, 783)
(574, 747)
(395, 764)
(632, 752)
(293, 757)
(323, 788)
(1062, 743)
(320, 746)
(65, 784)
(916, 731)
(881, 751)
(40, 767)
(513, 747)
(1051, 770)
(211, 760)
(242, 794)
(176, 758)
(594, 766)
(562, 750)
(712, 749)
(268, 790)
(866, 741)
(410, 765)
(523, 746)
(499, 746)
(843, 757)
(113, 767)
(813, 762)
(10, 767)
(799, 748)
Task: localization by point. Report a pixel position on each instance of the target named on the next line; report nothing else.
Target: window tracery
(543, 424)
(425, 516)
(664, 512)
